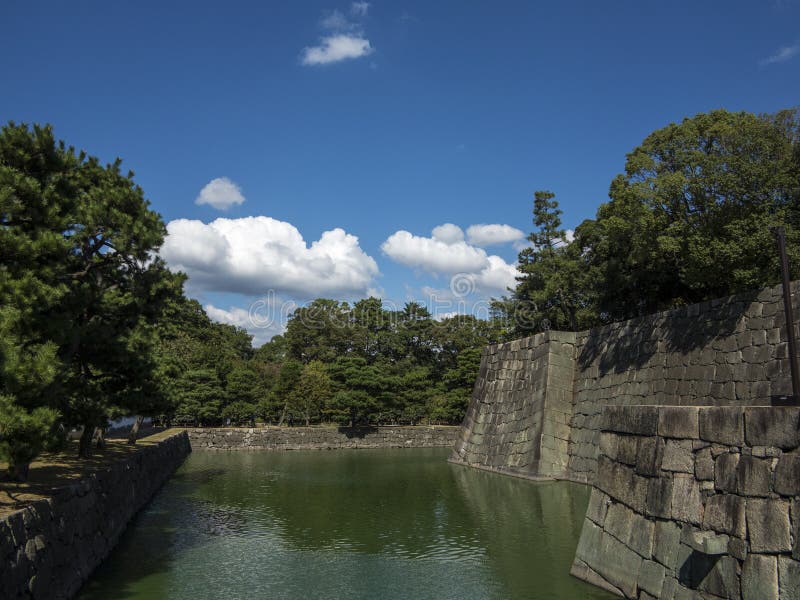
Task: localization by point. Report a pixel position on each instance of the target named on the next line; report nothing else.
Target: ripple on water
(362, 524)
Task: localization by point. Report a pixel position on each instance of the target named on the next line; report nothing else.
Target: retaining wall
(48, 549)
(536, 406)
(321, 438)
(695, 502)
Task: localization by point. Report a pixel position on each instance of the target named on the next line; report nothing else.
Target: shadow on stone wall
(357, 432)
(620, 347)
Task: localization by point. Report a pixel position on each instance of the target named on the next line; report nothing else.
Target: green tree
(689, 219)
(24, 434)
(551, 292)
(116, 294)
(200, 396)
(319, 331)
(37, 193)
(279, 402)
(312, 392)
(360, 389)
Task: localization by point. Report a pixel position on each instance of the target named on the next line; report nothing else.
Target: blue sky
(370, 120)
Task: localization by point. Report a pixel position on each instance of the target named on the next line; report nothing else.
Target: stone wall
(695, 502)
(48, 549)
(536, 406)
(321, 438)
(518, 420)
(731, 351)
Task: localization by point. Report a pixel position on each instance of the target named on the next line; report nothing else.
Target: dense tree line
(337, 363)
(93, 325)
(688, 221)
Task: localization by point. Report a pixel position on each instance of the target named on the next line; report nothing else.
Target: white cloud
(448, 233)
(336, 48)
(446, 253)
(253, 255)
(487, 235)
(221, 193)
(782, 55)
(432, 254)
(497, 276)
(359, 9)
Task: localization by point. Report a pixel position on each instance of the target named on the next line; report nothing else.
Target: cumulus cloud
(497, 275)
(253, 255)
(446, 252)
(448, 233)
(782, 55)
(487, 235)
(221, 193)
(336, 48)
(432, 254)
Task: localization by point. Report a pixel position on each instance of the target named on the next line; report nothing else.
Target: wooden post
(780, 237)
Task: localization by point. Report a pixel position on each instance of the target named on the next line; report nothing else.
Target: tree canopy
(688, 220)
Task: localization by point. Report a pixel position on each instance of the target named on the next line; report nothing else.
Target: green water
(372, 524)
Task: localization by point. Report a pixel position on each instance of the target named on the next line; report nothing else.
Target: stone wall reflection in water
(348, 524)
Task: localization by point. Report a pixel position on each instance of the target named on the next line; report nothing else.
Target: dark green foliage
(689, 220)
(78, 282)
(24, 434)
(200, 395)
(384, 366)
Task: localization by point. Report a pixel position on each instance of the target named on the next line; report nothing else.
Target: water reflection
(348, 524)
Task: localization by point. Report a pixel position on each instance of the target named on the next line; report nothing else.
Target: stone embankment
(695, 502)
(322, 438)
(536, 406)
(49, 548)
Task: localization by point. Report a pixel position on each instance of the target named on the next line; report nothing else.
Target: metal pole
(780, 237)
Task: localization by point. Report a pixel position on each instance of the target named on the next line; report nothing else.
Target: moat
(347, 524)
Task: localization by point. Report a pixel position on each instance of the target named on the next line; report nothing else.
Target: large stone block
(725, 479)
(723, 580)
(627, 449)
(666, 539)
(622, 483)
(723, 425)
(651, 578)
(598, 507)
(631, 529)
(678, 456)
(753, 476)
(651, 453)
(704, 465)
(638, 419)
(659, 497)
(620, 565)
(773, 426)
(588, 549)
(768, 525)
(787, 475)
(760, 577)
(687, 503)
(789, 578)
(725, 513)
(678, 422)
